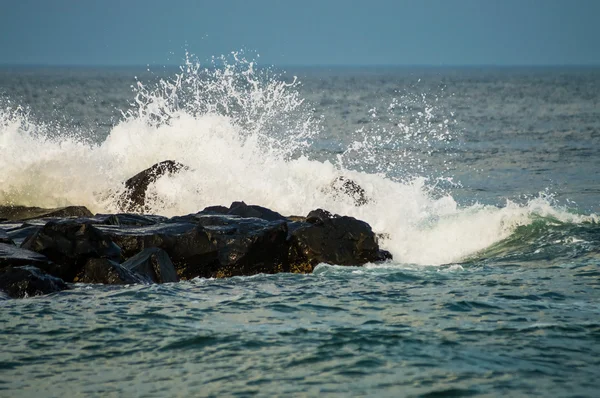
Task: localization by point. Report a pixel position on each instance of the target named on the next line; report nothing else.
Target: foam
(242, 133)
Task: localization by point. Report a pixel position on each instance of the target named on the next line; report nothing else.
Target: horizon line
(155, 65)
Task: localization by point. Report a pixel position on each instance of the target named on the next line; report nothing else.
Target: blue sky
(302, 32)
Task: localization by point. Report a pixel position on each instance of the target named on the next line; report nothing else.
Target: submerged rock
(102, 270)
(13, 213)
(28, 281)
(69, 245)
(332, 239)
(153, 265)
(134, 198)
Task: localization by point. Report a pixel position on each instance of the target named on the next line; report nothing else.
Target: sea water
(484, 185)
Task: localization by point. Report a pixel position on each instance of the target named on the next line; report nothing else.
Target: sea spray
(245, 134)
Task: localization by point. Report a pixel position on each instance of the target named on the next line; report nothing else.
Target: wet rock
(332, 239)
(13, 213)
(243, 210)
(124, 219)
(11, 255)
(214, 210)
(4, 238)
(102, 270)
(22, 232)
(69, 245)
(153, 265)
(134, 198)
(187, 244)
(28, 281)
(345, 186)
(247, 246)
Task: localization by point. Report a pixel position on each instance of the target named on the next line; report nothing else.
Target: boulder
(345, 186)
(243, 210)
(11, 255)
(107, 272)
(247, 246)
(134, 197)
(187, 245)
(28, 281)
(69, 245)
(153, 265)
(332, 239)
(13, 213)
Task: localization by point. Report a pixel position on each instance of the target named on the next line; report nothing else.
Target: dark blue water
(518, 318)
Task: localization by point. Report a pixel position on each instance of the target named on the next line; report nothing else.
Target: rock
(247, 246)
(28, 281)
(243, 210)
(124, 219)
(187, 244)
(22, 232)
(102, 270)
(332, 239)
(345, 186)
(13, 213)
(69, 245)
(214, 210)
(4, 238)
(152, 264)
(134, 198)
(11, 255)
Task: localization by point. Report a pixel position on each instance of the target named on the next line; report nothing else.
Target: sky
(301, 32)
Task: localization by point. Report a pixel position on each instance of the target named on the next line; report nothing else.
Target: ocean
(484, 184)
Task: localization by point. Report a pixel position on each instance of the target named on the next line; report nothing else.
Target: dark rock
(24, 231)
(332, 239)
(11, 255)
(28, 281)
(70, 245)
(102, 270)
(14, 213)
(187, 244)
(345, 186)
(134, 198)
(152, 264)
(243, 210)
(214, 210)
(4, 238)
(124, 219)
(247, 246)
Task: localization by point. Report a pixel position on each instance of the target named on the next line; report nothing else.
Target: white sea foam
(242, 133)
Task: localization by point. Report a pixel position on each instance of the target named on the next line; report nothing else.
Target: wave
(245, 134)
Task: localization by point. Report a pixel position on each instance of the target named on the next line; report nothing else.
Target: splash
(246, 134)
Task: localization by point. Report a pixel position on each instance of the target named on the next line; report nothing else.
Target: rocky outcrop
(69, 245)
(216, 242)
(28, 281)
(134, 197)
